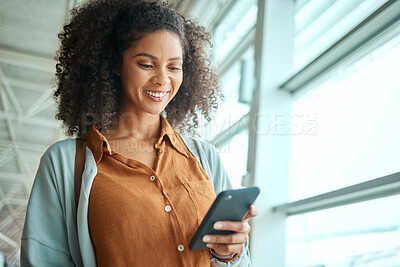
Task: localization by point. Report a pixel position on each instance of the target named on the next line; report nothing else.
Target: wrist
(222, 257)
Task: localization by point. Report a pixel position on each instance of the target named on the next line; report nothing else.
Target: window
(234, 50)
(356, 108)
(234, 26)
(357, 134)
(234, 157)
(237, 85)
(320, 23)
(357, 235)
(328, 75)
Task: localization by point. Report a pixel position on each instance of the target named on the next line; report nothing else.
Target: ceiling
(28, 41)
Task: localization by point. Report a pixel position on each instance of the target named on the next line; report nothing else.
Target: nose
(160, 78)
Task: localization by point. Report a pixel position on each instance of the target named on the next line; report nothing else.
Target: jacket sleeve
(45, 240)
(213, 165)
(221, 182)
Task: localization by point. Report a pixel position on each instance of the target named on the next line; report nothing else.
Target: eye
(145, 66)
(175, 68)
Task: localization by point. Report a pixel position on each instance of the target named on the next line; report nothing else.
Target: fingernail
(206, 239)
(209, 245)
(217, 225)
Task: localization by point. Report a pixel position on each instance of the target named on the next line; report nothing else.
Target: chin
(155, 112)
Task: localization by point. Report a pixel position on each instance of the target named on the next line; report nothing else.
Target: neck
(132, 125)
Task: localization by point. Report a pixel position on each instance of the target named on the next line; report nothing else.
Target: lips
(157, 95)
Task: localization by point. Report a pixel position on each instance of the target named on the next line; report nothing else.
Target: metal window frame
(222, 138)
(237, 52)
(377, 188)
(356, 39)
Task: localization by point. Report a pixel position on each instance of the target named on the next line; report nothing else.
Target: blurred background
(311, 116)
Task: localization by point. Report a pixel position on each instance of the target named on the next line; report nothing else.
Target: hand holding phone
(227, 246)
(230, 207)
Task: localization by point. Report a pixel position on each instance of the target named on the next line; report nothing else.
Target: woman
(127, 73)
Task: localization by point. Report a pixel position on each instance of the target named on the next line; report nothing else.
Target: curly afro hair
(92, 43)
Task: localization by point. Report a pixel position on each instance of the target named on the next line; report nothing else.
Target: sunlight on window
(231, 109)
(234, 157)
(357, 235)
(234, 27)
(321, 23)
(358, 128)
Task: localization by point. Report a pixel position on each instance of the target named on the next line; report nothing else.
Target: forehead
(159, 43)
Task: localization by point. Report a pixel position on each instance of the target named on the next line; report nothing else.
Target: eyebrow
(155, 58)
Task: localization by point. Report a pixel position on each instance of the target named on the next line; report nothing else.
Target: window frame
(275, 85)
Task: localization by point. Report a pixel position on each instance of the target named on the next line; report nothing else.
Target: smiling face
(151, 73)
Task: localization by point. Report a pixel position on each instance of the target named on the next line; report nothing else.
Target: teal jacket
(56, 235)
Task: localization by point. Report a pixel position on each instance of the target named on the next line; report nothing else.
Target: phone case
(230, 205)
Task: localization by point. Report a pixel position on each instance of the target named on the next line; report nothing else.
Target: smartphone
(230, 205)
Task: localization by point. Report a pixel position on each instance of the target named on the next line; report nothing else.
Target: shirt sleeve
(45, 240)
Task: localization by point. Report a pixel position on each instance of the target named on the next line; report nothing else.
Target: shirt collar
(98, 143)
(174, 137)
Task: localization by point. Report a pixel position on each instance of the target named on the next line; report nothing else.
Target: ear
(117, 72)
(116, 63)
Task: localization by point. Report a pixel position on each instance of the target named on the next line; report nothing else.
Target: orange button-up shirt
(144, 217)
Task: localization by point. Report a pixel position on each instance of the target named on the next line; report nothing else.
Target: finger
(226, 248)
(226, 239)
(253, 212)
(242, 226)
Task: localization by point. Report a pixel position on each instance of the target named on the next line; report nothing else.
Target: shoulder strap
(79, 164)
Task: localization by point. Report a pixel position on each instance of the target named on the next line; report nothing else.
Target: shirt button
(167, 208)
(152, 178)
(181, 248)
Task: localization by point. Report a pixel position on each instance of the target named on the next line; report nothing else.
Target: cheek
(131, 79)
(177, 81)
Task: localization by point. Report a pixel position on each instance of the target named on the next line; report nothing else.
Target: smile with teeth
(158, 94)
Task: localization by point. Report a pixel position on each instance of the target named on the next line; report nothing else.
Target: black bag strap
(79, 164)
